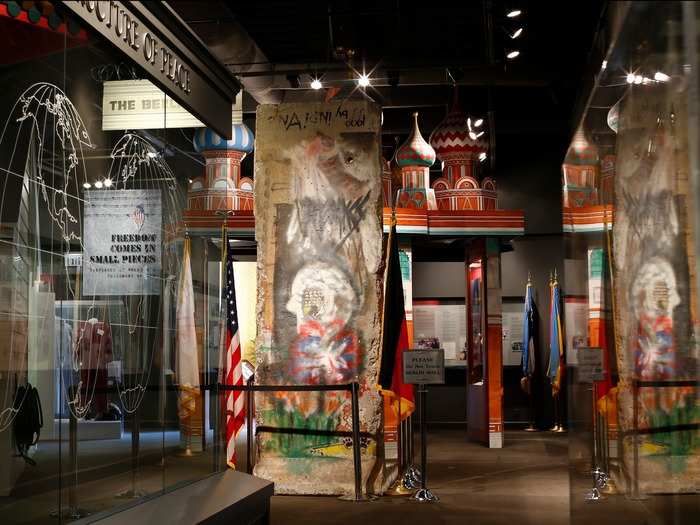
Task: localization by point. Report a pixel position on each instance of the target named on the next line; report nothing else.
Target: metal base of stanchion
(610, 488)
(399, 488)
(593, 495)
(69, 513)
(363, 498)
(560, 430)
(131, 494)
(425, 496)
(411, 479)
(187, 453)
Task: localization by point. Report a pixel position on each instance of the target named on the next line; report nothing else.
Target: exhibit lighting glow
(638, 79)
(516, 33)
(630, 78)
(604, 65)
(479, 134)
(107, 182)
(469, 122)
(189, 180)
(513, 54)
(87, 185)
(472, 135)
(515, 13)
(98, 184)
(478, 123)
(661, 77)
(316, 84)
(363, 80)
(482, 156)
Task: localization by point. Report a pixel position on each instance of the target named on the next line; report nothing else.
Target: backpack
(28, 420)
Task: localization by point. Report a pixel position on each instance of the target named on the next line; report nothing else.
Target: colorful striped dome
(207, 140)
(452, 135)
(415, 151)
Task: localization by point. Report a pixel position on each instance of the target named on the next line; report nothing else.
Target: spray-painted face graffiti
(326, 350)
(655, 297)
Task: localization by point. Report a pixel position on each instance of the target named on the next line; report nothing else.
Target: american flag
(233, 373)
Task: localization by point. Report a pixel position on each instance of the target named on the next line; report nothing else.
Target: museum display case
(111, 312)
(630, 295)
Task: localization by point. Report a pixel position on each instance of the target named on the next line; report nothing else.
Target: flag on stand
(556, 346)
(187, 367)
(233, 370)
(530, 325)
(394, 335)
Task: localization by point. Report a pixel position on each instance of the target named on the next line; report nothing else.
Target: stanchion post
(250, 414)
(424, 494)
(356, 451)
(73, 456)
(594, 493)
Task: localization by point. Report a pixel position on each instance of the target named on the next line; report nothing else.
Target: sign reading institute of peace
(168, 56)
(122, 242)
(138, 104)
(424, 367)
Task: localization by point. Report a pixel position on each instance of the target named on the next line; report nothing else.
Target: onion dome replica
(222, 187)
(459, 142)
(414, 158)
(581, 170)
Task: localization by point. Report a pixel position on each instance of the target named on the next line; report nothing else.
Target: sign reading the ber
(424, 367)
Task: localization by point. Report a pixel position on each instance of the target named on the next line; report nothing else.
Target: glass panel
(634, 413)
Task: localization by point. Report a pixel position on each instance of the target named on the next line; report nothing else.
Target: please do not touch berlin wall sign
(424, 367)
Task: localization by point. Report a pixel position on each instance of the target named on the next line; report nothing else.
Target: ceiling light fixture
(516, 33)
(472, 135)
(87, 185)
(661, 77)
(603, 65)
(513, 54)
(638, 79)
(478, 123)
(482, 156)
(514, 13)
(630, 78)
(98, 184)
(107, 182)
(363, 80)
(316, 84)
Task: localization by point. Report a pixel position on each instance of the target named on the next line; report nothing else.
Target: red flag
(394, 338)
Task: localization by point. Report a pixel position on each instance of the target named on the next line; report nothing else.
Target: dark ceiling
(417, 51)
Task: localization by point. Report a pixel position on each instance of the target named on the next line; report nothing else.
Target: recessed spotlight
(661, 77)
(482, 156)
(98, 184)
(472, 135)
(189, 180)
(603, 65)
(87, 185)
(363, 80)
(107, 182)
(514, 13)
(478, 123)
(513, 54)
(516, 33)
(316, 84)
(638, 79)
(630, 78)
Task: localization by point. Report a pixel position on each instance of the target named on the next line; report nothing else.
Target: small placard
(590, 364)
(73, 260)
(424, 367)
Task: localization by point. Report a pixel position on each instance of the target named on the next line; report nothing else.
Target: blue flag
(529, 331)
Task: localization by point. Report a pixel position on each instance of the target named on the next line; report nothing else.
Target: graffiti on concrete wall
(318, 189)
(655, 306)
